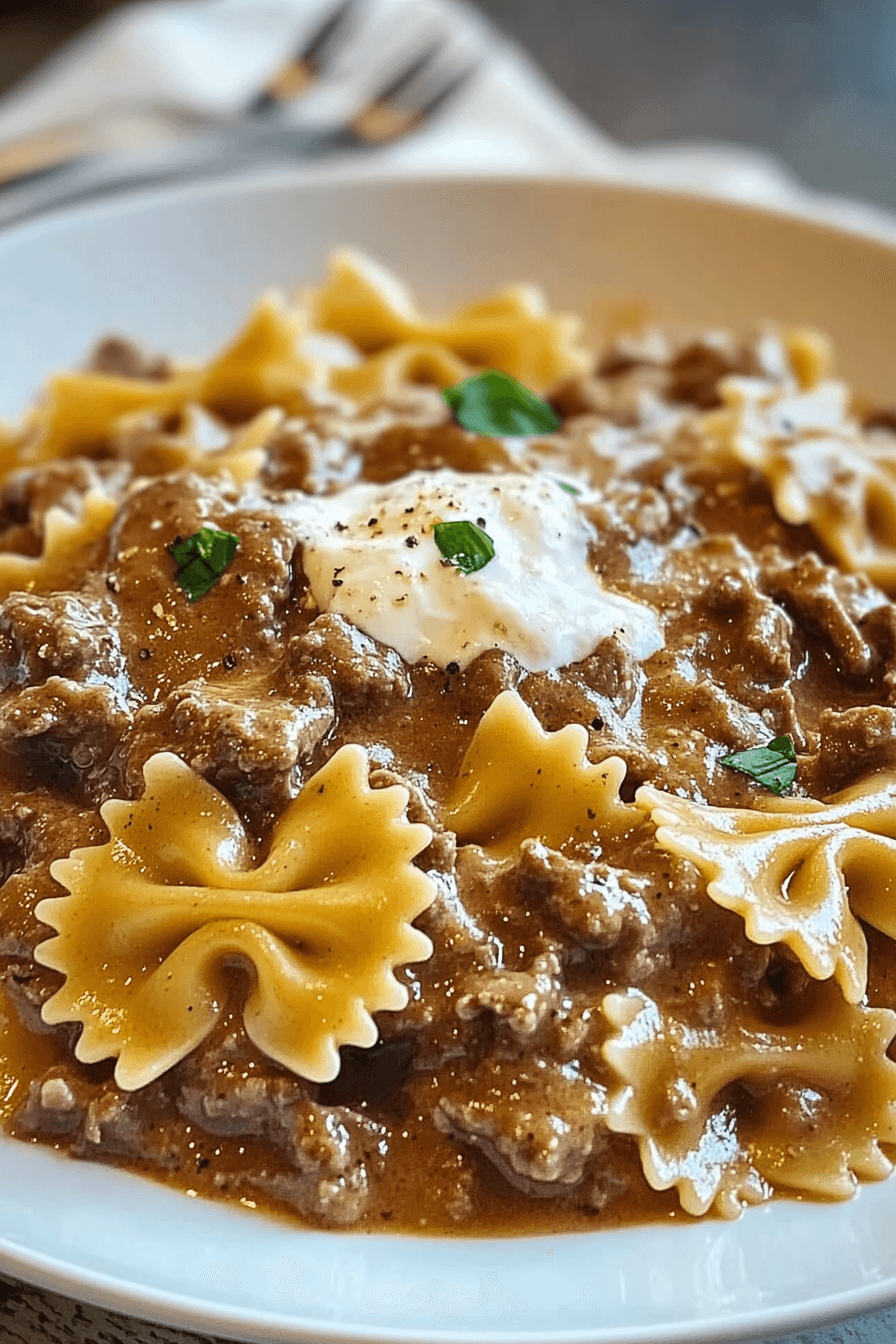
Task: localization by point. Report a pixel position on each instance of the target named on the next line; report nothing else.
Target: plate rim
(125, 1296)
(311, 176)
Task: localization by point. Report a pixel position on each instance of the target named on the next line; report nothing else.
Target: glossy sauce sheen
(459, 1122)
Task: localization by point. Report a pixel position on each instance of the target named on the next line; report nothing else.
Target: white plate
(178, 270)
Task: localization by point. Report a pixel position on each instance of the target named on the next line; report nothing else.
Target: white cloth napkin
(213, 55)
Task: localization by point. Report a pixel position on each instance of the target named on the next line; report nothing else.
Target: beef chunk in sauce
(484, 1103)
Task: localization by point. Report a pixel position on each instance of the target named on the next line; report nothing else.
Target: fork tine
(318, 50)
(448, 90)
(406, 77)
(383, 119)
(309, 63)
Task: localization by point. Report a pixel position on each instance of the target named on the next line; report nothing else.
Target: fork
(135, 125)
(407, 102)
(411, 99)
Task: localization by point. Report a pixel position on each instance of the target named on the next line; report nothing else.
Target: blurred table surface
(813, 81)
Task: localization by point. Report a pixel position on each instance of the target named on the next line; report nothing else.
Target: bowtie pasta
(470, 812)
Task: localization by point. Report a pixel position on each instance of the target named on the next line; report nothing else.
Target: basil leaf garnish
(464, 544)
(494, 403)
(202, 558)
(773, 766)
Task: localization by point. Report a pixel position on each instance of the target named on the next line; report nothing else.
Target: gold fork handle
(118, 129)
(36, 153)
(126, 128)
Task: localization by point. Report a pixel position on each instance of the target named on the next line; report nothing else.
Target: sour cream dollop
(370, 555)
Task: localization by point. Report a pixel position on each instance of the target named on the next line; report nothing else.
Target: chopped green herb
(494, 403)
(570, 489)
(464, 544)
(202, 558)
(773, 766)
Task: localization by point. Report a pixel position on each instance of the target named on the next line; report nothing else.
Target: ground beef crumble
(484, 1102)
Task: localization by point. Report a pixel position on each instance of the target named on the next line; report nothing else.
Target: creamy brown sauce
(457, 1122)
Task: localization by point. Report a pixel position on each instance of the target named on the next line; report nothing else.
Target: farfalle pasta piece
(263, 366)
(810, 354)
(11, 444)
(800, 873)
(80, 409)
(156, 916)
(69, 543)
(821, 468)
(272, 362)
(390, 371)
(518, 782)
(729, 1114)
(240, 452)
(511, 330)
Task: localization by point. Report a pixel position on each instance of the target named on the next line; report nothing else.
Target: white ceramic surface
(178, 271)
